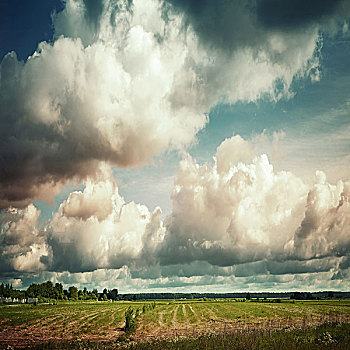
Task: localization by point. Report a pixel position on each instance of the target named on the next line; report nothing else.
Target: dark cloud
(221, 23)
(246, 23)
(290, 14)
(34, 154)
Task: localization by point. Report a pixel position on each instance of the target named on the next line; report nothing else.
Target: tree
(73, 293)
(113, 294)
(33, 291)
(85, 293)
(58, 289)
(248, 296)
(94, 294)
(47, 290)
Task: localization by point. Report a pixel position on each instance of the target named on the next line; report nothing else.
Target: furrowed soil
(25, 325)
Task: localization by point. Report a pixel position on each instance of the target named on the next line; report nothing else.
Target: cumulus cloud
(324, 230)
(231, 219)
(226, 215)
(71, 105)
(96, 229)
(22, 244)
(92, 229)
(124, 81)
(239, 210)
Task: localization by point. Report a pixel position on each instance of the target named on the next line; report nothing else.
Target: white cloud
(234, 219)
(232, 214)
(124, 85)
(325, 229)
(21, 242)
(96, 229)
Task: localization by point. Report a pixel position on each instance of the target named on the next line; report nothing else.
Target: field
(104, 321)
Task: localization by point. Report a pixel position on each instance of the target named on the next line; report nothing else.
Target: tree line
(48, 290)
(238, 295)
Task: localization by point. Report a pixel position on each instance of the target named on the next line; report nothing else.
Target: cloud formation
(22, 244)
(295, 14)
(70, 105)
(96, 229)
(233, 214)
(231, 219)
(324, 230)
(124, 81)
(238, 23)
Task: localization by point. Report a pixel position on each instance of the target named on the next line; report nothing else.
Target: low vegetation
(167, 324)
(326, 336)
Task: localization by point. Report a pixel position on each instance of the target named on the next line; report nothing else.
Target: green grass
(97, 321)
(64, 319)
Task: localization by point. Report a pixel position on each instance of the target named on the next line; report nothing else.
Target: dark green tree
(113, 294)
(73, 293)
(58, 290)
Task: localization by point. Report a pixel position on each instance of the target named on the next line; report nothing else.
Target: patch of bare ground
(30, 335)
(59, 328)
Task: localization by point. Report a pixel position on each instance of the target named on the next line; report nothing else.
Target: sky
(178, 146)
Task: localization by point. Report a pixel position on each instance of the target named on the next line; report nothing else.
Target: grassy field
(104, 321)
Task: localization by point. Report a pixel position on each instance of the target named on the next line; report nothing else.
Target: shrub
(130, 320)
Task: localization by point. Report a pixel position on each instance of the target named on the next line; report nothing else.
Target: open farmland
(104, 321)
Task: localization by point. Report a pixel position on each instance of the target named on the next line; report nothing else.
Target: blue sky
(139, 140)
